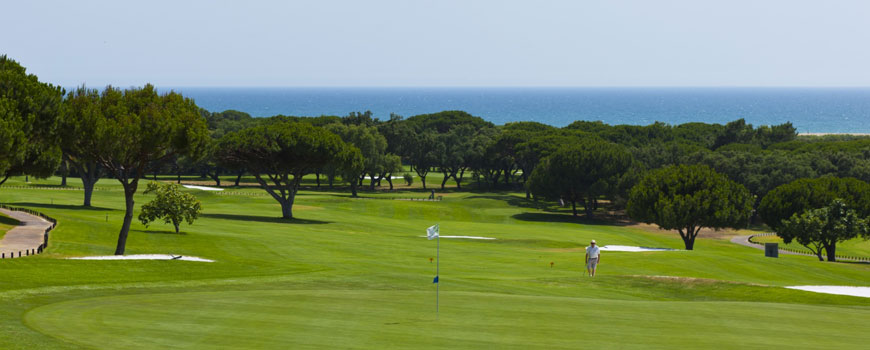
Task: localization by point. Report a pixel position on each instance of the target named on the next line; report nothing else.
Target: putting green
(282, 319)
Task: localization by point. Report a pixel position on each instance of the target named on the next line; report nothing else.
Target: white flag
(432, 232)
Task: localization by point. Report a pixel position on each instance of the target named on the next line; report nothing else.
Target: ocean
(818, 110)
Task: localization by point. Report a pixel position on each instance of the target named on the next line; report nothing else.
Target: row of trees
(126, 134)
(817, 213)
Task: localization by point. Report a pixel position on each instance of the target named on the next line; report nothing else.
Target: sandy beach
(832, 133)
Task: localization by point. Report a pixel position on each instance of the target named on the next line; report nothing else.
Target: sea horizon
(809, 109)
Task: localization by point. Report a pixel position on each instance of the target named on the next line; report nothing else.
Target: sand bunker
(143, 257)
(840, 290)
(627, 248)
(465, 237)
(204, 188)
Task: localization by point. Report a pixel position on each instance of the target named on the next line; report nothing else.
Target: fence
(427, 199)
(804, 252)
(240, 193)
(58, 188)
(44, 244)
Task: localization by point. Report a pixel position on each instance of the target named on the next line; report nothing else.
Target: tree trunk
(89, 191)
(590, 210)
(129, 191)
(496, 174)
(90, 174)
(317, 174)
(239, 178)
(690, 243)
(423, 178)
(390, 181)
(287, 208)
(689, 237)
(217, 178)
(353, 190)
(831, 251)
(176, 228)
(178, 177)
(64, 170)
(286, 193)
(458, 181)
(574, 207)
(444, 182)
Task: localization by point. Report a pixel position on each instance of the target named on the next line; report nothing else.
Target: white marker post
(432, 232)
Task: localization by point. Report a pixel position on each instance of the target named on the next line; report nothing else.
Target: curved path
(744, 241)
(29, 235)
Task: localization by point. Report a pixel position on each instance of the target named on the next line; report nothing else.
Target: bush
(409, 179)
(171, 205)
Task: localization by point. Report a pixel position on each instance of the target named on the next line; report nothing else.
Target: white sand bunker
(465, 237)
(627, 248)
(204, 188)
(840, 290)
(143, 257)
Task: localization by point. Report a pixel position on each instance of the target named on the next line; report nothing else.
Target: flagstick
(437, 270)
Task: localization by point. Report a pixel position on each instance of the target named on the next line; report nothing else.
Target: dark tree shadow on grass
(853, 262)
(520, 202)
(265, 219)
(538, 243)
(161, 232)
(59, 206)
(567, 217)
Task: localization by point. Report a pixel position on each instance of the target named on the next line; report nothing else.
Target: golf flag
(432, 232)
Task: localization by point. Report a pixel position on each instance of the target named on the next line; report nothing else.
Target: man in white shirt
(593, 255)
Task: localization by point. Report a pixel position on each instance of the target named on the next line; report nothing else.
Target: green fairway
(405, 319)
(356, 273)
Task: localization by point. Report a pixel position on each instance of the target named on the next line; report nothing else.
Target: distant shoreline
(817, 110)
(833, 133)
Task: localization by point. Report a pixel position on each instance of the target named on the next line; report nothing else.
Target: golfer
(593, 256)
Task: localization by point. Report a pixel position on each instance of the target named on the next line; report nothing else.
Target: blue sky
(442, 43)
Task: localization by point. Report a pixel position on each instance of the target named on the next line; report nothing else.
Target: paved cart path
(28, 235)
(744, 241)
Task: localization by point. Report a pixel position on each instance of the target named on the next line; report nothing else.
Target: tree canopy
(377, 163)
(135, 131)
(821, 229)
(169, 204)
(442, 122)
(29, 115)
(802, 195)
(579, 171)
(80, 106)
(280, 154)
(688, 198)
